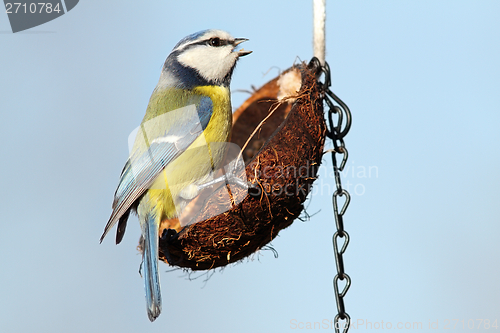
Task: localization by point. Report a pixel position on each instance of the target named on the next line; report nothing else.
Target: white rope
(319, 16)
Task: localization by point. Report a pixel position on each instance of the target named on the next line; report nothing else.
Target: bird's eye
(214, 41)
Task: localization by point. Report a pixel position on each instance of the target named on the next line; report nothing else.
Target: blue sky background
(422, 79)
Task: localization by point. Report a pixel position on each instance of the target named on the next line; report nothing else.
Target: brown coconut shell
(282, 162)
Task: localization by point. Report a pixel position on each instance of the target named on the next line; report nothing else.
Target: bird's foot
(168, 236)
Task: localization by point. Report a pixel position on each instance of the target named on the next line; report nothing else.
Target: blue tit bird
(174, 151)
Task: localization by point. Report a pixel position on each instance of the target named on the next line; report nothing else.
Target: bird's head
(205, 57)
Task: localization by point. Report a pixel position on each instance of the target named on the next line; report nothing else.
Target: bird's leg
(140, 266)
(229, 177)
(167, 237)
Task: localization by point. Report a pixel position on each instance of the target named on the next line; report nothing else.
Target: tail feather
(151, 275)
(122, 225)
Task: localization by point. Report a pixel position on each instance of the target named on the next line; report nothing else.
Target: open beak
(241, 52)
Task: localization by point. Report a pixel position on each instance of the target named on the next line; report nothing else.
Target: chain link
(336, 131)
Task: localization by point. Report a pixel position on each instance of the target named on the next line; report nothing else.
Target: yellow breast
(192, 166)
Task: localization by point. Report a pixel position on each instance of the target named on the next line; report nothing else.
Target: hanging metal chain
(336, 131)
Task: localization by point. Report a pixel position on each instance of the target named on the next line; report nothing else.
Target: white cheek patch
(213, 63)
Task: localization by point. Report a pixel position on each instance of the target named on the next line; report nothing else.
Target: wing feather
(142, 169)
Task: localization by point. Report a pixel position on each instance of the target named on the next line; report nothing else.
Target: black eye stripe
(216, 42)
(222, 42)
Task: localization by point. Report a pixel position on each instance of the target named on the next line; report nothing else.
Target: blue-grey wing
(142, 169)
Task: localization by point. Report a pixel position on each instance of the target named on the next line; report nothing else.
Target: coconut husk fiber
(281, 161)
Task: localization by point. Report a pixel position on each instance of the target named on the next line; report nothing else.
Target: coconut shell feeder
(281, 164)
(261, 188)
(281, 129)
